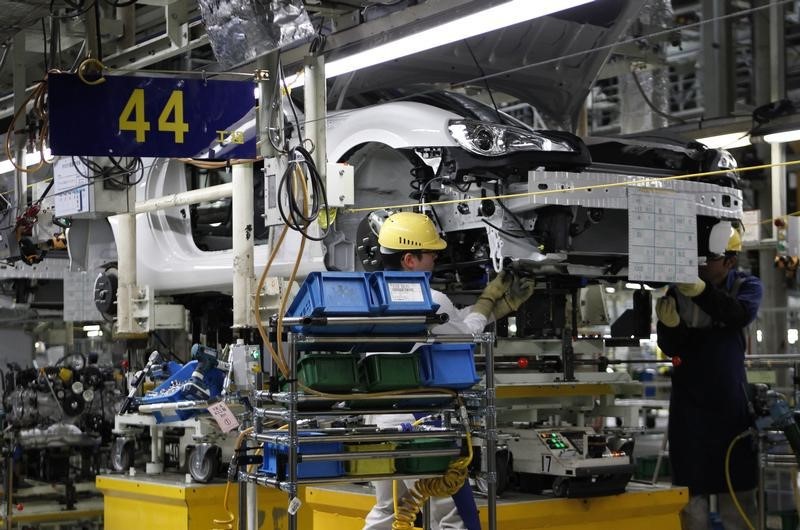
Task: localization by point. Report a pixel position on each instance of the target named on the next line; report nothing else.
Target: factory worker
(410, 242)
(701, 326)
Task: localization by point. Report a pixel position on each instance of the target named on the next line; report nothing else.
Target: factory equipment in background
(57, 426)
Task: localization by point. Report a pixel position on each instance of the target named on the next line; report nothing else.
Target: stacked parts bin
(448, 366)
(276, 460)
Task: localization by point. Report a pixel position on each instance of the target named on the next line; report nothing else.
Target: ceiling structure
(169, 34)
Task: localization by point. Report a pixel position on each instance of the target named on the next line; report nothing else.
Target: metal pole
(292, 432)
(126, 290)
(9, 487)
(21, 182)
(211, 193)
(762, 497)
(491, 434)
(243, 265)
(244, 491)
(316, 109)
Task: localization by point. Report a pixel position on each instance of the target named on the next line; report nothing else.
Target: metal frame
(291, 437)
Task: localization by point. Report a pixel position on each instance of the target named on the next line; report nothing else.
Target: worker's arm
(731, 311)
(463, 320)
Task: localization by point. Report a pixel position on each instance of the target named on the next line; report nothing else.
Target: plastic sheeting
(241, 30)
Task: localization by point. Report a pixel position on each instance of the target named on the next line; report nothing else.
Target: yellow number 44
(174, 106)
(132, 117)
(134, 107)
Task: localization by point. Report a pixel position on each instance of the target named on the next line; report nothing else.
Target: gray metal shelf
(291, 440)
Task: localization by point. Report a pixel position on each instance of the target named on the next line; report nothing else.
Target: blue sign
(151, 117)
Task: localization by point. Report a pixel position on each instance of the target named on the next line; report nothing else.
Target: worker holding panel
(701, 326)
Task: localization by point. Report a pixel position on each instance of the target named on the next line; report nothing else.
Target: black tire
(561, 487)
(203, 462)
(122, 455)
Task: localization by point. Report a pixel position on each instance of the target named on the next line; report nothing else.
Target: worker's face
(422, 261)
(716, 269)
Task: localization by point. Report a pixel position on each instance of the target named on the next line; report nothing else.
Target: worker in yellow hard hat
(410, 242)
(700, 325)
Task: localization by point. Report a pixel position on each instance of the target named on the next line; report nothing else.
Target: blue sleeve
(736, 312)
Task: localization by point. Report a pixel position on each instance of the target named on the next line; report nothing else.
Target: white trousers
(444, 515)
(695, 515)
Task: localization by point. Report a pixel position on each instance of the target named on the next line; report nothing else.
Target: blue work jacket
(709, 403)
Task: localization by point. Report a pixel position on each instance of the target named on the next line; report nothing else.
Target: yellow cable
(227, 523)
(448, 484)
(739, 508)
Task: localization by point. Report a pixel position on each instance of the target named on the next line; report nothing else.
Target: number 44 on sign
(223, 416)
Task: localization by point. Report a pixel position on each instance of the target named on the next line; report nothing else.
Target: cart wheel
(561, 487)
(122, 455)
(204, 462)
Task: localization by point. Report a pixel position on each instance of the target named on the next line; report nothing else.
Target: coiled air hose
(407, 508)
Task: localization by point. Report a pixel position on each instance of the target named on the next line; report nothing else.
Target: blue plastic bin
(333, 294)
(448, 365)
(402, 293)
(276, 459)
(170, 391)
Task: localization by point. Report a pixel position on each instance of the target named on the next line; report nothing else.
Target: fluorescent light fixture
(782, 137)
(31, 159)
(92, 327)
(726, 141)
(491, 19)
(610, 290)
(97, 333)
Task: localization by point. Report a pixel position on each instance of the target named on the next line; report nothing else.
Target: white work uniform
(444, 515)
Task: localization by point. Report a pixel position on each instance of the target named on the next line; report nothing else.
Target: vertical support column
(491, 431)
(293, 441)
(128, 17)
(718, 60)
(21, 178)
(177, 23)
(126, 289)
(316, 108)
(243, 265)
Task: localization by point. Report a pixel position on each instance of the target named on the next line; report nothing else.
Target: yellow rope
(637, 183)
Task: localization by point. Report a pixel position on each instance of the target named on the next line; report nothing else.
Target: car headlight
(496, 140)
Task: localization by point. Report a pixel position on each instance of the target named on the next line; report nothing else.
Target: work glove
(667, 311)
(493, 292)
(507, 293)
(520, 290)
(692, 289)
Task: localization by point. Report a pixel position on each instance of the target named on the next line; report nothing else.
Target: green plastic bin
(328, 372)
(389, 371)
(424, 464)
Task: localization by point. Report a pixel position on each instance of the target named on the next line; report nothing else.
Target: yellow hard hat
(410, 231)
(724, 238)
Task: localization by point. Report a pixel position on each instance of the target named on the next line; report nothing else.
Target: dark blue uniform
(709, 405)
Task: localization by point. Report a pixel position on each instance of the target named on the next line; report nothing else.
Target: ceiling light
(484, 21)
(92, 327)
(726, 141)
(782, 137)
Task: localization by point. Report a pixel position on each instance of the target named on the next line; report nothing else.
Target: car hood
(549, 62)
